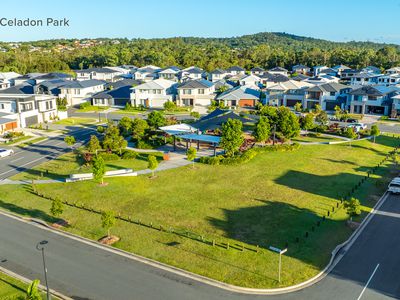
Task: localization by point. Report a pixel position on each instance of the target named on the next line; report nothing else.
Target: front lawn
(76, 121)
(11, 289)
(70, 163)
(276, 199)
(310, 138)
(92, 108)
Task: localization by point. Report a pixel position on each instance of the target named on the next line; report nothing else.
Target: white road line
(369, 280)
(21, 166)
(17, 159)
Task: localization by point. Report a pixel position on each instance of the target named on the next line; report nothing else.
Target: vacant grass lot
(76, 121)
(272, 200)
(70, 163)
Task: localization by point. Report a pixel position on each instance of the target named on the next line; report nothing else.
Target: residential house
(195, 93)
(394, 70)
(192, 73)
(252, 81)
(241, 96)
(153, 93)
(7, 79)
(217, 75)
(279, 71)
(327, 95)
(375, 99)
(115, 94)
(169, 73)
(235, 71)
(389, 79)
(347, 74)
(301, 69)
(257, 71)
(268, 79)
(371, 69)
(364, 78)
(328, 71)
(286, 93)
(146, 73)
(340, 69)
(78, 92)
(321, 79)
(106, 74)
(318, 69)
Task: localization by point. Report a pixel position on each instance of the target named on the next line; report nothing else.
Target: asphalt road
(369, 270)
(30, 156)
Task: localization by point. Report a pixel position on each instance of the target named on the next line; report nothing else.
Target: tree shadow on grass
(13, 285)
(33, 213)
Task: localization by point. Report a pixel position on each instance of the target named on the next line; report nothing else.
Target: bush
(84, 105)
(384, 118)
(13, 134)
(143, 145)
(129, 154)
(109, 156)
(100, 129)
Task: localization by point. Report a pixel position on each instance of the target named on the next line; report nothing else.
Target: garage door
(246, 103)
(121, 102)
(292, 102)
(331, 105)
(31, 121)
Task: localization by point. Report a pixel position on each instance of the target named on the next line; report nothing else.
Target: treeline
(266, 50)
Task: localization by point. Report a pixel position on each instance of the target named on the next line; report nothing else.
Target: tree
(322, 118)
(287, 123)
(195, 114)
(125, 126)
(169, 106)
(375, 131)
(349, 133)
(100, 129)
(222, 88)
(94, 144)
(70, 140)
(191, 155)
(156, 119)
(108, 221)
(338, 112)
(57, 207)
(317, 108)
(297, 107)
(139, 127)
(353, 207)
(32, 292)
(270, 112)
(113, 140)
(262, 130)
(308, 122)
(152, 163)
(99, 169)
(232, 136)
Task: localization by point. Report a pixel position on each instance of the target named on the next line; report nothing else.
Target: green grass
(33, 141)
(76, 121)
(67, 164)
(273, 199)
(11, 289)
(128, 112)
(17, 140)
(92, 108)
(312, 138)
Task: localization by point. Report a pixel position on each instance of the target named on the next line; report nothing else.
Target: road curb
(335, 257)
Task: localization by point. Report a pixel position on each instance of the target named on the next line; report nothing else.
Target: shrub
(109, 156)
(84, 105)
(143, 145)
(129, 154)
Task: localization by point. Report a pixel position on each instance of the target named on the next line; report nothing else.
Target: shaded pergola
(191, 134)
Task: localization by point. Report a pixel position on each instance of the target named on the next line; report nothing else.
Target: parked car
(394, 186)
(351, 121)
(358, 126)
(6, 152)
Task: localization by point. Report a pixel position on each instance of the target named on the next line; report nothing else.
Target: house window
(2, 106)
(373, 98)
(187, 92)
(201, 91)
(332, 93)
(26, 107)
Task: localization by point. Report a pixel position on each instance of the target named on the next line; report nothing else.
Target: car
(351, 120)
(6, 152)
(394, 186)
(358, 126)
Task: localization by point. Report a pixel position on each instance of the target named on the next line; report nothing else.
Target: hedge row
(247, 155)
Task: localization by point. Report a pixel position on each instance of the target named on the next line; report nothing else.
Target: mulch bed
(109, 240)
(60, 223)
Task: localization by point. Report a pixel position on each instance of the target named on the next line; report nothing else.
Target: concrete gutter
(337, 255)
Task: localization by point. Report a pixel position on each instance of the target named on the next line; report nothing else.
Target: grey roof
(300, 77)
(300, 66)
(195, 84)
(372, 69)
(54, 75)
(97, 70)
(239, 92)
(84, 83)
(24, 88)
(55, 83)
(195, 70)
(328, 87)
(220, 83)
(235, 68)
(275, 77)
(278, 69)
(369, 90)
(124, 82)
(328, 71)
(257, 69)
(218, 71)
(215, 119)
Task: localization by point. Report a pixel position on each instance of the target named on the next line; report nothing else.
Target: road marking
(17, 159)
(369, 280)
(21, 166)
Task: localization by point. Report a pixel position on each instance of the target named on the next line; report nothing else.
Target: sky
(337, 20)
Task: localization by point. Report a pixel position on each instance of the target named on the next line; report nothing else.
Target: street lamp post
(280, 251)
(40, 247)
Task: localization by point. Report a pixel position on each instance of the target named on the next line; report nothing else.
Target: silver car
(6, 152)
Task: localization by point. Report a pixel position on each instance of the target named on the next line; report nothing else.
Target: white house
(106, 74)
(169, 73)
(235, 71)
(301, 69)
(78, 92)
(251, 81)
(257, 71)
(318, 69)
(192, 73)
(327, 95)
(146, 73)
(153, 93)
(241, 96)
(195, 93)
(389, 79)
(217, 75)
(278, 71)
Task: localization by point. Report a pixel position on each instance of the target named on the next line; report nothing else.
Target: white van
(394, 186)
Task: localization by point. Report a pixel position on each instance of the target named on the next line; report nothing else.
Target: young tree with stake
(375, 131)
(99, 169)
(152, 163)
(191, 155)
(108, 221)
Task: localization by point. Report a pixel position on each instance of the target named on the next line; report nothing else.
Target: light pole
(40, 247)
(280, 251)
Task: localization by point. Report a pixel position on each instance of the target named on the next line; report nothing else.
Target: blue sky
(337, 20)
